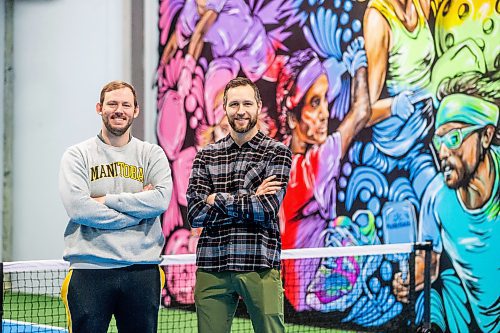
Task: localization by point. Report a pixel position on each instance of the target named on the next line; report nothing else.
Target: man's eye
(315, 102)
(248, 104)
(454, 139)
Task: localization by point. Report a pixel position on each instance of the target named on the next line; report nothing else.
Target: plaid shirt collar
(254, 142)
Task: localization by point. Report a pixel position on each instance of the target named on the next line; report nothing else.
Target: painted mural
(422, 164)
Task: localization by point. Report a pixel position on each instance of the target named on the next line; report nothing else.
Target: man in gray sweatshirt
(114, 187)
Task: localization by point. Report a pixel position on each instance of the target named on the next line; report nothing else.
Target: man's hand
(100, 199)
(401, 287)
(268, 186)
(402, 106)
(196, 232)
(355, 56)
(148, 187)
(211, 199)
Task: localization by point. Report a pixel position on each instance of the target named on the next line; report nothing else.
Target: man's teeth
(447, 171)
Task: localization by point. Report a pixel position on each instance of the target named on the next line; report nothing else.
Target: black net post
(412, 296)
(427, 286)
(426, 248)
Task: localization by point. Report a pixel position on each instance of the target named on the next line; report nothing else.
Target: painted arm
(420, 268)
(359, 113)
(377, 41)
(196, 42)
(194, 51)
(429, 230)
(170, 48)
(426, 7)
(401, 287)
(203, 25)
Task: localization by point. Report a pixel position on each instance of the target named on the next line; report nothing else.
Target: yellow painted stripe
(64, 295)
(162, 278)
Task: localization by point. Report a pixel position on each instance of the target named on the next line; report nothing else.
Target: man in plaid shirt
(235, 192)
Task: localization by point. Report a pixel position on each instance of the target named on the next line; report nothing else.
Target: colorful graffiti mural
(419, 141)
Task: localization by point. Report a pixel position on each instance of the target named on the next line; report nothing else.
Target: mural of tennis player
(400, 53)
(461, 212)
(238, 40)
(310, 201)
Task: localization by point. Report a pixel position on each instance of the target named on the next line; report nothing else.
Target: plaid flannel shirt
(241, 230)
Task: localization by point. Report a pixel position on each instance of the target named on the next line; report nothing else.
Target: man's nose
(444, 152)
(119, 108)
(323, 114)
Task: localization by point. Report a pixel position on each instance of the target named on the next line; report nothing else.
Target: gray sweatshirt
(126, 229)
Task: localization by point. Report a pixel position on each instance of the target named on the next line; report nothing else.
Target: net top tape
(186, 259)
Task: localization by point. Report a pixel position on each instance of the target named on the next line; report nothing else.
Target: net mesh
(327, 289)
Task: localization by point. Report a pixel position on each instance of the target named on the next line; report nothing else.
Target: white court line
(11, 326)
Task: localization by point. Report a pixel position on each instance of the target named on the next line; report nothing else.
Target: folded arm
(151, 202)
(74, 187)
(261, 208)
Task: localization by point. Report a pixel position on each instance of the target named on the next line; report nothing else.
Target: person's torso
(310, 200)
(471, 238)
(412, 52)
(230, 244)
(114, 170)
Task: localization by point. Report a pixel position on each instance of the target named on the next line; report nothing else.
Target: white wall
(64, 52)
(2, 49)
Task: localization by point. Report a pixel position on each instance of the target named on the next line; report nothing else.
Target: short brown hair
(239, 82)
(115, 85)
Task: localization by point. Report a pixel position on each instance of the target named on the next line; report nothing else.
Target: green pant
(216, 297)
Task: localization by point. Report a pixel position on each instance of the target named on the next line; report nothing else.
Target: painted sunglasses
(454, 138)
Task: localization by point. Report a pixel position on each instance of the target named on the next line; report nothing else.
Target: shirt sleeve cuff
(220, 202)
(224, 202)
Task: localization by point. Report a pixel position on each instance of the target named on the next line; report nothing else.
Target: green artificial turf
(48, 310)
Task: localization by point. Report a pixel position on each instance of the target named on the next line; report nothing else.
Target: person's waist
(231, 257)
(238, 266)
(122, 266)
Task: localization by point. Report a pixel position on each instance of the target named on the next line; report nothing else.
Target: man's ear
(98, 108)
(487, 136)
(136, 112)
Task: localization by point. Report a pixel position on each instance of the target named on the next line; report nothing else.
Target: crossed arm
(206, 207)
(268, 186)
(112, 211)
